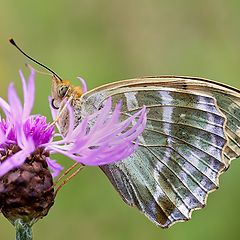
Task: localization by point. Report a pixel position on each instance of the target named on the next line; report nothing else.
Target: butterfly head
(63, 90)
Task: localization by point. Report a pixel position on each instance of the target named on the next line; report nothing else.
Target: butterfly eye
(62, 91)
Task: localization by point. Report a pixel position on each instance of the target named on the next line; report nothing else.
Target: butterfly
(191, 136)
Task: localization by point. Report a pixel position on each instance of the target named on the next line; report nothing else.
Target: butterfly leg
(68, 178)
(65, 173)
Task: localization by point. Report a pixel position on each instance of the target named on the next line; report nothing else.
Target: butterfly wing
(189, 139)
(228, 102)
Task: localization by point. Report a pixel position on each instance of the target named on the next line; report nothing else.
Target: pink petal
(14, 161)
(3, 137)
(84, 84)
(29, 93)
(107, 141)
(55, 167)
(5, 107)
(15, 104)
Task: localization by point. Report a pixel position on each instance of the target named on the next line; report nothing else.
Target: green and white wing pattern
(228, 102)
(182, 150)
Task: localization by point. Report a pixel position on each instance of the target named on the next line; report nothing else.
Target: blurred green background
(105, 41)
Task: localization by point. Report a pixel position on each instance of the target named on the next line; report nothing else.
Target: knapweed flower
(27, 143)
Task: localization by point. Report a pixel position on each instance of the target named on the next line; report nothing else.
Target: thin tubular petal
(29, 93)
(14, 161)
(101, 138)
(15, 105)
(83, 83)
(5, 107)
(3, 137)
(55, 167)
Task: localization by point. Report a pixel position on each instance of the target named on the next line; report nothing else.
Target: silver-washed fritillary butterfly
(191, 136)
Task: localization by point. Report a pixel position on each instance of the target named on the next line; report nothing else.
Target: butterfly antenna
(37, 62)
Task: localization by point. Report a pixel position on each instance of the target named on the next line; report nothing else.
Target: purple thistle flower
(108, 140)
(20, 128)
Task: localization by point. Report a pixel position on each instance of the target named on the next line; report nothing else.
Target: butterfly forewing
(183, 149)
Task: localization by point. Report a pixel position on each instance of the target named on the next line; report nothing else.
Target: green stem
(23, 230)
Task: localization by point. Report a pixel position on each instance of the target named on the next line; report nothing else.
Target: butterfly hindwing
(182, 150)
(228, 102)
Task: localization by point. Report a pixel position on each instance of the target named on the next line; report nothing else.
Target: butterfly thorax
(63, 91)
